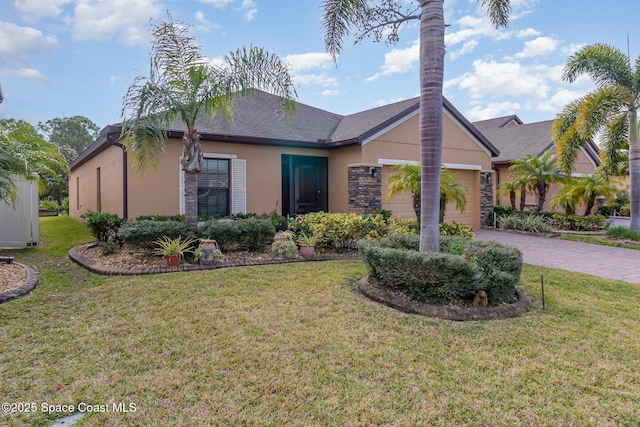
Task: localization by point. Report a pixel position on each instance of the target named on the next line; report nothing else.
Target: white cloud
(558, 101)
(381, 102)
(33, 9)
(250, 9)
(21, 41)
(205, 25)
(17, 44)
(495, 79)
(493, 110)
(331, 92)
(220, 4)
(315, 80)
(305, 61)
(26, 73)
(107, 19)
(529, 32)
(538, 47)
(398, 61)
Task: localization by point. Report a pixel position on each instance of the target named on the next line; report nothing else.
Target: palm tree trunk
(512, 199)
(443, 208)
(542, 196)
(416, 207)
(523, 198)
(590, 203)
(432, 52)
(634, 171)
(191, 199)
(191, 165)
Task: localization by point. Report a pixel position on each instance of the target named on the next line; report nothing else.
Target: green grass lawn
(599, 240)
(295, 344)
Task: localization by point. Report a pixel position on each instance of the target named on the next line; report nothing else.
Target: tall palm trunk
(512, 199)
(523, 198)
(542, 196)
(432, 52)
(634, 170)
(191, 165)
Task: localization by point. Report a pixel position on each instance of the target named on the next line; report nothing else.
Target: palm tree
(511, 188)
(586, 189)
(566, 198)
(451, 190)
(406, 179)
(182, 84)
(610, 109)
(537, 174)
(383, 20)
(24, 153)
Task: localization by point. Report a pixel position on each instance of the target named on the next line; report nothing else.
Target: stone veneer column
(365, 188)
(486, 196)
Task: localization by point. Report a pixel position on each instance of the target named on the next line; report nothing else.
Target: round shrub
(462, 268)
(240, 235)
(340, 232)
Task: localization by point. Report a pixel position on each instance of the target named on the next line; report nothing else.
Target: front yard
(295, 344)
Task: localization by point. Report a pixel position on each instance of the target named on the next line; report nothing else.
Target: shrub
(286, 249)
(143, 233)
(50, 205)
(574, 222)
(456, 229)
(623, 233)
(625, 210)
(436, 278)
(246, 234)
(160, 218)
(527, 222)
(499, 211)
(340, 231)
(403, 226)
(103, 225)
(493, 267)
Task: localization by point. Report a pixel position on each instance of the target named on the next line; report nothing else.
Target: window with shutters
(213, 187)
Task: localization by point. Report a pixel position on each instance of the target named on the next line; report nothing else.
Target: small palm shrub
(456, 229)
(410, 226)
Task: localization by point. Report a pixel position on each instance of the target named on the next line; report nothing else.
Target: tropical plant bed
(131, 260)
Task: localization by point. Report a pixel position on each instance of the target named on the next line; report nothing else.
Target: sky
(62, 58)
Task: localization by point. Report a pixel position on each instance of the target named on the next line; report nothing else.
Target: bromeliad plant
(168, 246)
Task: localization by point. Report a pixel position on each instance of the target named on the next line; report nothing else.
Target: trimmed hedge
(441, 278)
(143, 233)
(246, 234)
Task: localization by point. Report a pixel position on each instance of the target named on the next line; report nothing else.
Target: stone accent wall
(486, 196)
(365, 188)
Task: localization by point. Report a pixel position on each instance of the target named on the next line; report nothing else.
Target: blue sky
(60, 58)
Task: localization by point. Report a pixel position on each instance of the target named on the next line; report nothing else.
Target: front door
(304, 184)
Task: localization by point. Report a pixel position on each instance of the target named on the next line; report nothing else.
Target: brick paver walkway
(603, 261)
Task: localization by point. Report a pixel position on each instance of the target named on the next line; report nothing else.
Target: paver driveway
(598, 260)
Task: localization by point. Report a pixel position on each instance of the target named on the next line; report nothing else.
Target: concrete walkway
(604, 261)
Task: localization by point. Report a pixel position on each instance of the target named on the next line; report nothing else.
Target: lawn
(296, 344)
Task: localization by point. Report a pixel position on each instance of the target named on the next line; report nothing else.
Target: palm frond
(498, 10)
(605, 64)
(596, 108)
(614, 147)
(338, 16)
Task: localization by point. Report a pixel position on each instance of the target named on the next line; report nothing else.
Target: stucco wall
(83, 184)
(459, 148)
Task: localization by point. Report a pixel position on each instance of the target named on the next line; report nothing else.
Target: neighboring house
(317, 161)
(515, 139)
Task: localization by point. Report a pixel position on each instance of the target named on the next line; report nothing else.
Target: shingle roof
(257, 120)
(516, 139)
